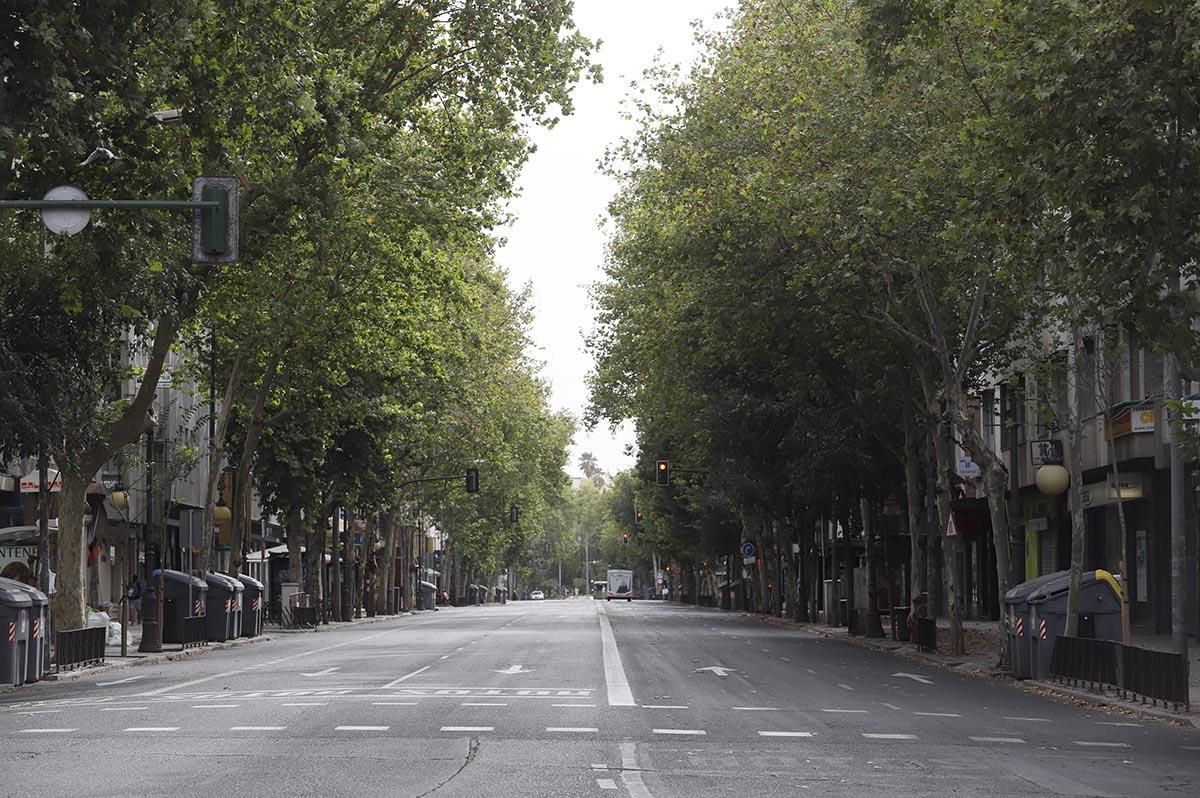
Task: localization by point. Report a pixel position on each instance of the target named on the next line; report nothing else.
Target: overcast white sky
(555, 242)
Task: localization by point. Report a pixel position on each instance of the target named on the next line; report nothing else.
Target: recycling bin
(235, 631)
(481, 594)
(501, 595)
(1020, 623)
(428, 595)
(15, 606)
(38, 653)
(183, 596)
(1099, 613)
(252, 606)
(220, 605)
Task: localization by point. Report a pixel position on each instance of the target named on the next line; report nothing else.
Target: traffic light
(637, 517)
(514, 514)
(472, 480)
(662, 472)
(626, 540)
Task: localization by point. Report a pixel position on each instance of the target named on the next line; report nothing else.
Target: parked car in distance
(537, 595)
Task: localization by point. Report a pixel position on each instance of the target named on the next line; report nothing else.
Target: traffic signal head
(626, 537)
(637, 517)
(472, 480)
(662, 472)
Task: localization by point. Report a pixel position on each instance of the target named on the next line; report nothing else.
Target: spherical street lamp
(1052, 479)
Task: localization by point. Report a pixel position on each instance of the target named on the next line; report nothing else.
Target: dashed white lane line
(121, 709)
(631, 773)
(1116, 723)
(468, 728)
(1190, 747)
(606, 784)
(784, 659)
(40, 712)
(1091, 744)
(361, 728)
(257, 728)
(890, 706)
(406, 676)
(484, 704)
(845, 686)
(152, 729)
(213, 706)
(1013, 740)
(47, 731)
(696, 732)
(757, 709)
(848, 711)
(572, 729)
(1028, 720)
(395, 704)
(307, 704)
(944, 715)
(784, 734)
(664, 706)
(871, 736)
(576, 706)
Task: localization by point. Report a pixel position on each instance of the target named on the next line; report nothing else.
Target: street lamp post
(153, 595)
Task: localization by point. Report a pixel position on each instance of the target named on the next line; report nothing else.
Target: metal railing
(1150, 674)
(74, 648)
(195, 633)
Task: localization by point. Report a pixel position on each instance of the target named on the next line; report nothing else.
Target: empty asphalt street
(570, 698)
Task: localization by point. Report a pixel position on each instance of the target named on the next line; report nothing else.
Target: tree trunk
(388, 575)
(912, 492)
(943, 448)
(216, 451)
(871, 623)
(69, 603)
(295, 543)
(1074, 463)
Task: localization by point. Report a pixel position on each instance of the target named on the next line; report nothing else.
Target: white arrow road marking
(511, 669)
(914, 677)
(717, 669)
(325, 672)
(121, 681)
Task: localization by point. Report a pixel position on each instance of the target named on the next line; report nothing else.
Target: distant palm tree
(587, 461)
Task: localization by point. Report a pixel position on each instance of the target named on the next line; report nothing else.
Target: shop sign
(1098, 494)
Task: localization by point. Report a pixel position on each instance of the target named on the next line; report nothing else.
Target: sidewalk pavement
(982, 642)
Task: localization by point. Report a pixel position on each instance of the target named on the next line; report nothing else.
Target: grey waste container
(235, 630)
(1099, 613)
(15, 606)
(1020, 628)
(219, 607)
(501, 595)
(183, 596)
(481, 594)
(38, 653)
(252, 606)
(428, 595)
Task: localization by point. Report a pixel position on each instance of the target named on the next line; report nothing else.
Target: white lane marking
(152, 729)
(719, 670)
(257, 728)
(45, 731)
(784, 734)
(757, 709)
(1091, 744)
(40, 712)
(944, 715)
(631, 774)
(577, 706)
(1116, 723)
(848, 711)
(468, 728)
(914, 677)
(845, 686)
(664, 706)
(1190, 747)
(213, 706)
(407, 676)
(514, 669)
(361, 728)
(395, 704)
(306, 704)
(680, 731)
(325, 672)
(227, 674)
(784, 659)
(810, 670)
(121, 709)
(1015, 740)
(572, 729)
(121, 681)
(606, 784)
(447, 656)
(619, 694)
(890, 706)
(599, 767)
(1030, 720)
(889, 736)
(484, 704)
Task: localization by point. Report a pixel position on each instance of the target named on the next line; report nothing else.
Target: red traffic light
(662, 472)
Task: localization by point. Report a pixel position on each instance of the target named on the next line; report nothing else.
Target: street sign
(951, 527)
(215, 230)
(748, 549)
(1045, 451)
